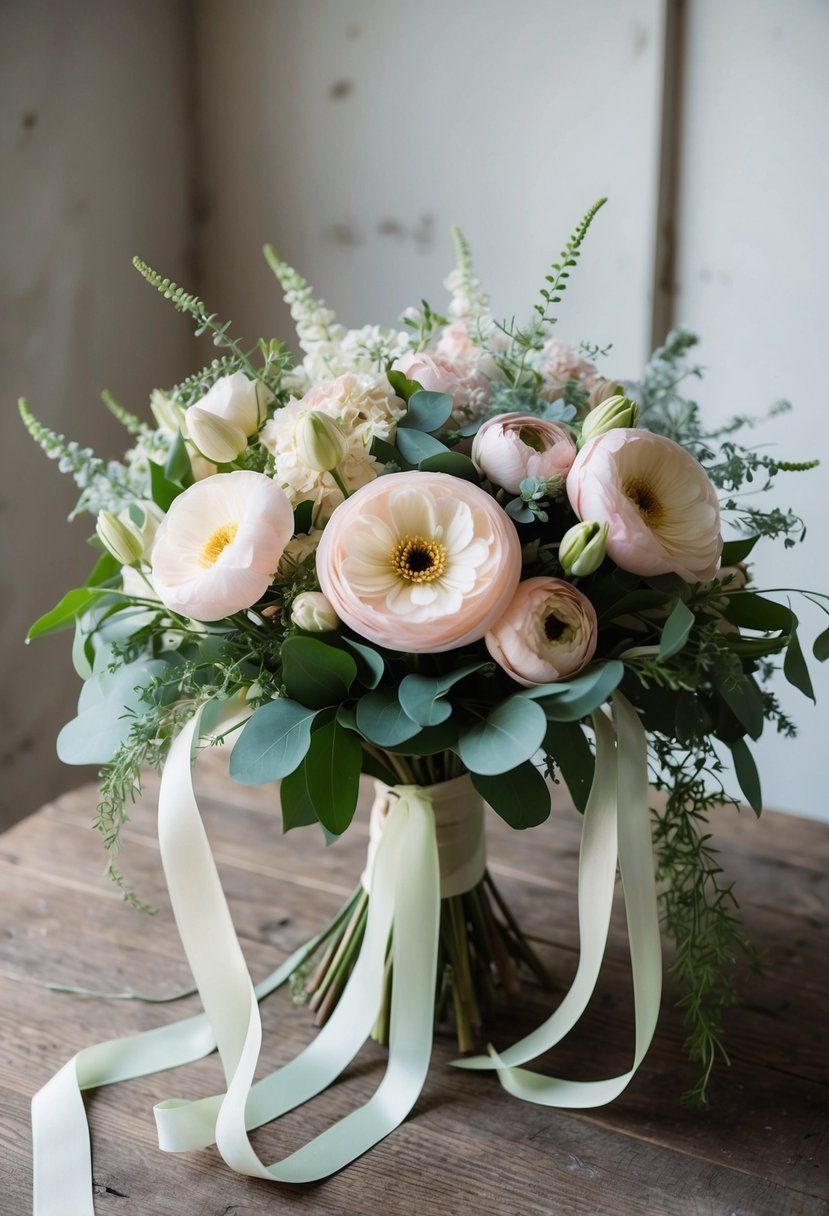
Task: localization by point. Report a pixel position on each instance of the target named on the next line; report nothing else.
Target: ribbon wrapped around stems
(406, 875)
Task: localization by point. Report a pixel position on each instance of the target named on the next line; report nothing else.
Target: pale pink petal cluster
(364, 407)
(460, 376)
(419, 562)
(510, 447)
(217, 548)
(547, 633)
(557, 362)
(660, 507)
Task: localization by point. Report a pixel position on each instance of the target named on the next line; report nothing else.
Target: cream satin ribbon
(617, 807)
(405, 897)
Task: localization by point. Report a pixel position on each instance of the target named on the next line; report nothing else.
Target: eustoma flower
(510, 447)
(421, 562)
(217, 548)
(547, 633)
(661, 510)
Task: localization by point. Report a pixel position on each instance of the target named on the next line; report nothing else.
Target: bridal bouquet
(462, 561)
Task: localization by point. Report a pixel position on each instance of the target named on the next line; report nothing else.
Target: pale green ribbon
(405, 896)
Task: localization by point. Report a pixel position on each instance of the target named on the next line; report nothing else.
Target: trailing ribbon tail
(618, 803)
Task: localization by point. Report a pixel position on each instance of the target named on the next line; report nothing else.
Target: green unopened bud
(121, 539)
(603, 389)
(320, 442)
(167, 413)
(213, 437)
(582, 548)
(612, 413)
(144, 516)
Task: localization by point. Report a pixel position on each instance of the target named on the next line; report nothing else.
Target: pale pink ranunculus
(510, 447)
(218, 546)
(660, 507)
(547, 633)
(557, 362)
(469, 389)
(419, 562)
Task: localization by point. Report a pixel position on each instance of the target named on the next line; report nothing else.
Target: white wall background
(352, 134)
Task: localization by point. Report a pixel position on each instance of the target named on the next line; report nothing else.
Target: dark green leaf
(521, 796)
(64, 614)
(513, 733)
(315, 674)
(164, 492)
(333, 767)
(297, 808)
(747, 775)
(742, 696)
(634, 601)
(382, 719)
(421, 696)
(571, 700)
(303, 516)
(177, 467)
(416, 445)
(402, 386)
(794, 667)
(427, 411)
(272, 743)
(751, 611)
(676, 630)
(106, 567)
(454, 463)
(821, 647)
(567, 744)
(370, 664)
(388, 455)
(734, 551)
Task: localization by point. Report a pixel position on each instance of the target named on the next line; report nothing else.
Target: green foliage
(332, 775)
(316, 675)
(520, 796)
(510, 734)
(272, 743)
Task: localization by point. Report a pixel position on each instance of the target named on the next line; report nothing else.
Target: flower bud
(313, 612)
(214, 438)
(583, 547)
(239, 401)
(167, 413)
(320, 442)
(509, 448)
(120, 538)
(603, 389)
(148, 527)
(615, 412)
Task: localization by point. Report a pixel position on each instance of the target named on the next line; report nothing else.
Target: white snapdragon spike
(220, 543)
(422, 562)
(511, 447)
(660, 507)
(241, 402)
(547, 633)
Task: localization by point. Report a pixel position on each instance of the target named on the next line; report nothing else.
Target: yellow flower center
(645, 500)
(418, 560)
(218, 542)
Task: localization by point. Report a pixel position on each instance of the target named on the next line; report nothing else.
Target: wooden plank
(760, 1146)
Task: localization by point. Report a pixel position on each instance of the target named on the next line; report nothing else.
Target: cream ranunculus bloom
(421, 562)
(660, 507)
(547, 633)
(219, 545)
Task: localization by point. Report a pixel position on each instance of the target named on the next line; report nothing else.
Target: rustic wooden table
(468, 1147)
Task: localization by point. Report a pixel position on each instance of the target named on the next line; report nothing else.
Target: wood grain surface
(468, 1146)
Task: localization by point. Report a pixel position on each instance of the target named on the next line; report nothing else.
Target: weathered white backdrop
(352, 134)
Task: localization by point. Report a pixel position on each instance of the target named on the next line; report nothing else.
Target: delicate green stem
(341, 486)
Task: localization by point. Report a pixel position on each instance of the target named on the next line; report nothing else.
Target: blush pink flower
(217, 548)
(510, 447)
(559, 363)
(660, 507)
(547, 633)
(419, 562)
(459, 377)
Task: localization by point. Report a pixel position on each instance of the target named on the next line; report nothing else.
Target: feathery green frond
(132, 424)
(567, 260)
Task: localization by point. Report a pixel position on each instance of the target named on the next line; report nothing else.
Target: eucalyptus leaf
(370, 665)
(332, 775)
(388, 455)
(107, 707)
(453, 463)
(429, 741)
(417, 445)
(382, 719)
(421, 696)
(570, 700)
(402, 385)
(315, 674)
(521, 796)
(513, 733)
(747, 775)
(675, 631)
(427, 411)
(272, 743)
